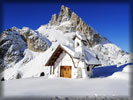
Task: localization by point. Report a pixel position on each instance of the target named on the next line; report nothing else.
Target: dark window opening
(18, 76)
(88, 68)
(3, 79)
(77, 44)
(42, 74)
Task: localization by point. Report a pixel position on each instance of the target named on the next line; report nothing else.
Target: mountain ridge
(37, 44)
(77, 24)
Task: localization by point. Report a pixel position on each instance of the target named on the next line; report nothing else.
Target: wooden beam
(50, 70)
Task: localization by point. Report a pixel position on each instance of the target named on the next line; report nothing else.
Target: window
(3, 79)
(88, 69)
(77, 44)
(42, 74)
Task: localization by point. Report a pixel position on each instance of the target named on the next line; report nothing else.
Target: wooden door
(66, 71)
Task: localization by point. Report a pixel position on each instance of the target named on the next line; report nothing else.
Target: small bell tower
(78, 45)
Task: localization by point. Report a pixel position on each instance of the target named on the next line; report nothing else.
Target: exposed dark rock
(11, 47)
(14, 41)
(35, 42)
(53, 20)
(77, 24)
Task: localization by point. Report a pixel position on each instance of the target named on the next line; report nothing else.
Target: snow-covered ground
(112, 79)
(114, 85)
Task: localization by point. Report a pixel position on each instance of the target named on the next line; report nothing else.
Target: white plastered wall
(64, 60)
(78, 67)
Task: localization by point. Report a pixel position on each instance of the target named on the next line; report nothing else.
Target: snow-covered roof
(89, 58)
(69, 50)
(60, 48)
(79, 36)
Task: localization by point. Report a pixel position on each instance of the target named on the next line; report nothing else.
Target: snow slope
(115, 85)
(107, 52)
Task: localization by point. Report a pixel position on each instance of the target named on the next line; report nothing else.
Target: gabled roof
(57, 53)
(79, 36)
(89, 58)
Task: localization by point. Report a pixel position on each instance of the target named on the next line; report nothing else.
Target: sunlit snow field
(115, 84)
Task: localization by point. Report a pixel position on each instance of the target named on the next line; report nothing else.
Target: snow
(69, 50)
(53, 86)
(37, 65)
(54, 35)
(90, 59)
(80, 36)
(33, 63)
(107, 52)
(106, 81)
(66, 23)
(125, 74)
(110, 54)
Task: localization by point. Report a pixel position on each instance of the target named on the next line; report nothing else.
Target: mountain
(68, 23)
(24, 52)
(14, 41)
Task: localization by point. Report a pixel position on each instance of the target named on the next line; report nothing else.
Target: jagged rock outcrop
(11, 47)
(53, 19)
(35, 42)
(76, 24)
(14, 41)
(17, 45)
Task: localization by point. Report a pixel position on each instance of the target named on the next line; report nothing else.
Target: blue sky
(111, 20)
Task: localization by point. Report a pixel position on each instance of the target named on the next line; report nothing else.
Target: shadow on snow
(105, 71)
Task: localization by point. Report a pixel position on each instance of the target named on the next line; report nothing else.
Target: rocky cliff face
(14, 41)
(35, 41)
(76, 24)
(19, 47)
(11, 47)
(69, 22)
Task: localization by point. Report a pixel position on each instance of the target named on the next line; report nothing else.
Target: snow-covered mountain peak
(64, 15)
(65, 25)
(23, 47)
(69, 22)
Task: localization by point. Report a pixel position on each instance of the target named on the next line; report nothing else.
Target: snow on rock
(30, 49)
(33, 64)
(35, 41)
(25, 52)
(11, 47)
(110, 54)
(66, 26)
(17, 47)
